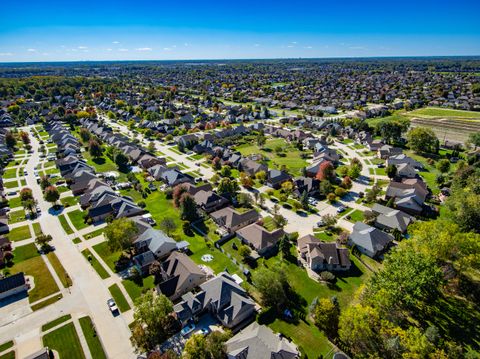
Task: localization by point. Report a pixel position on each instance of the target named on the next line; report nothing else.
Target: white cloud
(115, 42)
(6, 54)
(294, 42)
(144, 49)
(290, 46)
(256, 45)
(167, 49)
(31, 50)
(109, 49)
(45, 53)
(308, 47)
(123, 50)
(357, 48)
(83, 47)
(186, 44)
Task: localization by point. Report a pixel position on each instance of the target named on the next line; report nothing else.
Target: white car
(112, 305)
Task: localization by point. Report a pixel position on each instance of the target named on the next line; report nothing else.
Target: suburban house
(179, 275)
(306, 184)
(231, 220)
(222, 297)
(260, 342)
(109, 205)
(173, 177)
(390, 219)
(13, 285)
(321, 256)
(408, 195)
(275, 178)
(405, 170)
(369, 240)
(209, 201)
(386, 151)
(259, 239)
(251, 167)
(147, 161)
(143, 261)
(4, 228)
(403, 159)
(155, 241)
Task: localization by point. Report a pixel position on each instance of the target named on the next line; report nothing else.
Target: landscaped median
(95, 264)
(65, 341)
(19, 233)
(93, 341)
(65, 225)
(119, 298)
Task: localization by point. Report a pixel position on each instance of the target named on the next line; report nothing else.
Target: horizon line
(246, 59)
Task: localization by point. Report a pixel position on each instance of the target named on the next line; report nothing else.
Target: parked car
(187, 330)
(112, 305)
(341, 209)
(203, 331)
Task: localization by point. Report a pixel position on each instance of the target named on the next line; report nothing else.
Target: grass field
(65, 225)
(6, 346)
(445, 112)
(102, 164)
(15, 202)
(119, 298)
(37, 229)
(56, 322)
(65, 341)
(16, 216)
(107, 255)
(68, 201)
(134, 290)
(93, 341)
(59, 269)
(76, 217)
(291, 158)
(19, 233)
(47, 302)
(96, 264)
(44, 283)
(94, 233)
(9, 355)
(356, 216)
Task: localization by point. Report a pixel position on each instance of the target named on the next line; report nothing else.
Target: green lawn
(96, 264)
(10, 184)
(323, 236)
(291, 158)
(6, 346)
(9, 355)
(119, 298)
(16, 216)
(19, 233)
(108, 256)
(44, 283)
(10, 173)
(356, 216)
(134, 290)
(56, 322)
(380, 171)
(102, 164)
(47, 302)
(92, 338)
(15, 202)
(76, 217)
(95, 233)
(37, 229)
(68, 201)
(76, 240)
(65, 225)
(25, 252)
(444, 112)
(65, 341)
(59, 269)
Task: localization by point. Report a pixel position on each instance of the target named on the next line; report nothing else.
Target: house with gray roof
(321, 256)
(403, 158)
(231, 220)
(155, 241)
(390, 219)
(369, 240)
(209, 201)
(222, 297)
(179, 275)
(259, 239)
(260, 342)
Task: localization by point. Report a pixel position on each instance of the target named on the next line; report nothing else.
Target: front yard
(65, 341)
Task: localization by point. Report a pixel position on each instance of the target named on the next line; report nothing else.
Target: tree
(340, 192)
(304, 200)
(226, 171)
(326, 314)
(121, 160)
(10, 140)
(246, 180)
(245, 200)
(228, 186)
(168, 225)
(177, 193)
(422, 140)
(326, 187)
(464, 203)
(120, 234)
(409, 277)
(346, 182)
(26, 194)
(188, 208)
(391, 171)
(244, 251)
(211, 346)
(153, 321)
(95, 149)
(331, 197)
(371, 195)
(44, 182)
(284, 246)
(354, 171)
(51, 194)
(280, 221)
(329, 220)
(43, 241)
(24, 137)
(272, 285)
(443, 165)
(474, 139)
(260, 140)
(391, 130)
(261, 176)
(287, 187)
(84, 134)
(326, 171)
(359, 328)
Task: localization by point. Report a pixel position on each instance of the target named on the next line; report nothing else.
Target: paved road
(88, 294)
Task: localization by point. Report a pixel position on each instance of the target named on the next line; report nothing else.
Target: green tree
(359, 327)
(44, 182)
(188, 208)
(153, 321)
(43, 241)
(51, 194)
(84, 134)
(244, 251)
(326, 314)
(474, 139)
(226, 171)
(284, 246)
(443, 165)
(391, 171)
(272, 285)
(95, 149)
(304, 200)
(260, 140)
(422, 140)
(228, 186)
(121, 160)
(10, 140)
(211, 346)
(168, 225)
(120, 234)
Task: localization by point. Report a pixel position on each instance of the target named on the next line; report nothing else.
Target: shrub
(142, 204)
(327, 276)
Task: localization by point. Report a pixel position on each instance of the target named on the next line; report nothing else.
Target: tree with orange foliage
(326, 171)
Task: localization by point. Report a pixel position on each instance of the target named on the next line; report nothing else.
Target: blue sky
(161, 30)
